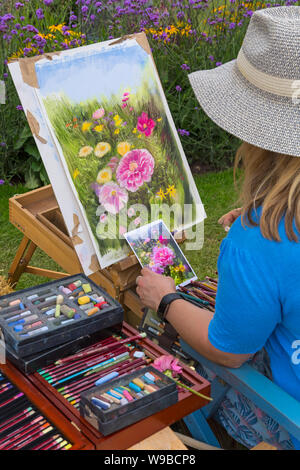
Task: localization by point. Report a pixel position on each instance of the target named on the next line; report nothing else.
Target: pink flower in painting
(167, 363)
(122, 230)
(113, 163)
(135, 168)
(99, 113)
(163, 256)
(157, 268)
(137, 221)
(145, 124)
(112, 197)
(163, 241)
(103, 218)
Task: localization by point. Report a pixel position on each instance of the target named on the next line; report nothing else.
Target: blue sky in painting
(89, 75)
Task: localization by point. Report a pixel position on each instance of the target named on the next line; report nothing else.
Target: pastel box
(51, 333)
(115, 418)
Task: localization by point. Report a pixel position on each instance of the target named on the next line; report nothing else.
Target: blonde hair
(270, 180)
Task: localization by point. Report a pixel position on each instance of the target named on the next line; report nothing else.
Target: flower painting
(157, 250)
(109, 120)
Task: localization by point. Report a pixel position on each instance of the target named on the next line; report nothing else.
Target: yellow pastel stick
(139, 383)
(87, 288)
(83, 300)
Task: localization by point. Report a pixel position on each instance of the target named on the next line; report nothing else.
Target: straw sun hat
(256, 97)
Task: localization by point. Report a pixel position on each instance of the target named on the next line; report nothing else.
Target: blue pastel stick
(150, 376)
(147, 380)
(101, 404)
(17, 322)
(112, 394)
(106, 378)
(134, 387)
(22, 306)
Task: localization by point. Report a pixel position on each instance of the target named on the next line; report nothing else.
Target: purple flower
(39, 14)
(48, 2)
(2, 181)
(218, 64)
(18, 5)
(2, 144)
(19, 107)
(185, 67)
(178, 88)
(183, 132)
(211, 57)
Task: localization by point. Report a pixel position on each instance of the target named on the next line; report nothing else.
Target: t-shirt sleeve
(248, 306)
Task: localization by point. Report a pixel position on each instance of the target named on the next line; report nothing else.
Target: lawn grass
(218, 196)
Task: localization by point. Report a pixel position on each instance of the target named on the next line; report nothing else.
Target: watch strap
(165, 302)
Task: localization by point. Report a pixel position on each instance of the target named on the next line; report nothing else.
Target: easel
(36, 214)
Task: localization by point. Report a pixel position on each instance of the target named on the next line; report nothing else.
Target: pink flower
(157, 268)
(167, 363)
(163, 241)
(135, 168)
(137, 221)
(145, 124)
(130, 212)
(163, 256)
(99, 113)
(113, 163)
(103, 218)
(112, 197)
(122, 230)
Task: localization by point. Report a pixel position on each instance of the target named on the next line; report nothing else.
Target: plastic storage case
(59, 334)
(111, 420)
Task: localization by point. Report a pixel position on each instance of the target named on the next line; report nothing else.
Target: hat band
(263, 81)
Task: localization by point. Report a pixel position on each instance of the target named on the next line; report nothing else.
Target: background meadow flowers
(185, 35)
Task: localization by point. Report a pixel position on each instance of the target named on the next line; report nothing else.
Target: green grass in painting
(217, 193)
(76, 129)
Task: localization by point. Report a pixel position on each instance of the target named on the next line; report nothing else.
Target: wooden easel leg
(21, 260)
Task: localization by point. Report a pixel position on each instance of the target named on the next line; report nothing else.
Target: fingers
(227, 219)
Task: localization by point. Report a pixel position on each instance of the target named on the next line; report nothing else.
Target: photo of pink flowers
(156, 249)
(112, 127)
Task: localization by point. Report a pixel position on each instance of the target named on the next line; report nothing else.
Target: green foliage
(199, 35)
(33, 169)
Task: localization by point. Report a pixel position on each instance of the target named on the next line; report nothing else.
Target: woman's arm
(189, 321)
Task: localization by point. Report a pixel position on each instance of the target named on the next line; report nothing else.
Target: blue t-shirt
(258, 301)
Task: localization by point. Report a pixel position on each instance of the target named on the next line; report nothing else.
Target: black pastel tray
(111, 420)
(56, 334)
(30, 364)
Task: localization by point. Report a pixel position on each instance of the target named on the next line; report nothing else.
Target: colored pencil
(76, 367)
(102, 349)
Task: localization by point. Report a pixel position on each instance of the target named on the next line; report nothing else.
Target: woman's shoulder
(249, 238)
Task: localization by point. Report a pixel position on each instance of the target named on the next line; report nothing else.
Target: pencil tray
(45, 331)
(120, 416)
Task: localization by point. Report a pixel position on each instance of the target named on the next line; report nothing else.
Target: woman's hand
(227, 219)
(152, 287)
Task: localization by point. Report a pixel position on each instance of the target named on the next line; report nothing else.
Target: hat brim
(263, 119)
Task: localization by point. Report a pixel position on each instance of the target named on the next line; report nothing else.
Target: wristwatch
(165, 303)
